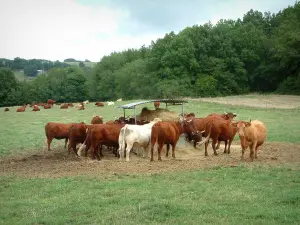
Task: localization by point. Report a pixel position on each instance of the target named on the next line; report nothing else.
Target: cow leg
(252, 149)
(66, 141)
(256, 150)
(97, 152)
(100, 150)
(206, 145)
(49, 140)
(225, 149)
(152, 151)
(218, 145)
(168, 149)
(173, 151)
(159, 148)
(229, 145)
(214, 147)
(128, 148)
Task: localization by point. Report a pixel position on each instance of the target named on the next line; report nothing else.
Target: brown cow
(97, 120)
(64, 106)
(77, 134)
(156, 104)
(252, 134)
(21, 109)
(6, 109)
(47, 106)
(99, 104)
(102, 134)
(219, 130)
(57, 131)
(81, 107)
(35, 108)
(51, 102)
(168, 133)
(70, 105)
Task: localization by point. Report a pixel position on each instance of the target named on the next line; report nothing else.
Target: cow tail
(122, 147)
(208, 126)
(83, 144)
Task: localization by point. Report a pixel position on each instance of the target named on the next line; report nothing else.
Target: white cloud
(60, 29)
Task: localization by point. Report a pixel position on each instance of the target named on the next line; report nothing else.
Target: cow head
(228, 115)
(190, 129)
(241, 125)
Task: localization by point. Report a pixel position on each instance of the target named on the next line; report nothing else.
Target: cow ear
(248, 124)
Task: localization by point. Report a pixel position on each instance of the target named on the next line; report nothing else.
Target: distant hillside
(86, 64)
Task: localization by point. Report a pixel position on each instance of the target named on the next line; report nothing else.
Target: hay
(164, 114)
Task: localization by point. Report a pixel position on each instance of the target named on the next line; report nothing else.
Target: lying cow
(252, 134)
(21, 109)
(99, 104)
(6, 109)
(35, 108)
(133, 135)
(57, 131)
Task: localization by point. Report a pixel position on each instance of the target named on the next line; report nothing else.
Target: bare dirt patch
(256, 100)
(58, 163)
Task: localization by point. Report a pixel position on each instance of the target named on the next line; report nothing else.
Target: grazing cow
(119, 100)
(50, 102)
(86, 102)
(21, 109)
(252, 134)
(156, 104)
(35, 108)
(77, 134)
(168, 133)
(64, 106)
(57, 131)
(219, 130)
(101, 134)
(99, 104)
(97, 120)
(6, 109)
(47, 106)
(133, 135)
(110, 103)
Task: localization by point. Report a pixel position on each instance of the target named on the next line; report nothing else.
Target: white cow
(119, 100)
(137, 136)
(110, 103)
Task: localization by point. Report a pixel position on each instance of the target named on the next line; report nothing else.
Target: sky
(91, 29)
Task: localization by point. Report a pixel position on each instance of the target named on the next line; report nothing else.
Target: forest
(257, 53)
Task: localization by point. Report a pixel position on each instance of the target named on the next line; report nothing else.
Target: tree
(8, 84)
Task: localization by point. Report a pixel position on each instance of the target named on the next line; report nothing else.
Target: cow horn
(202, 131)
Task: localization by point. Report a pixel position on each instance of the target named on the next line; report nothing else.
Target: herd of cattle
(122, 135)
(50, 103)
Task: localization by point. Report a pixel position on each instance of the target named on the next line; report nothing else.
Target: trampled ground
(57, 163)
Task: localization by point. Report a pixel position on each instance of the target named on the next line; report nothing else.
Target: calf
(252, 134)
(132, 135)
(57, 131)
(168, 133)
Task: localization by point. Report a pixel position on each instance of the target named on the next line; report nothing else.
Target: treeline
(258, 53)
(31, 66)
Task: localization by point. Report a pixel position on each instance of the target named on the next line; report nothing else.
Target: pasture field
(41, 187)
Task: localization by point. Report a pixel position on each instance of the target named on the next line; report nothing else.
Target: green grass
(87, 64)
(22, 132)
(237, 195)
(20, 75)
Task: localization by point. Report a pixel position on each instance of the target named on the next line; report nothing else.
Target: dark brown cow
(6, 109)
(102, 134)
(35, 108)
(99, 104)
(57, 131)
(46, 106)
(156, 104)
(219, 130)
(64, 106)
(50, 102)
(77, 134)
(168, 133)
(21, 109)
(97, 120)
